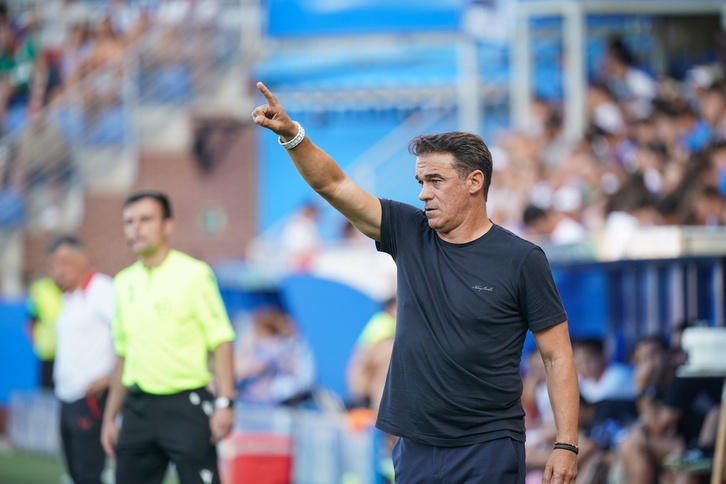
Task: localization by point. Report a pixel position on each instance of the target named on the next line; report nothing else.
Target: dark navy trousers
(499, 461)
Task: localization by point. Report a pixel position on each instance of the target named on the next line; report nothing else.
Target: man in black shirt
(468, 291)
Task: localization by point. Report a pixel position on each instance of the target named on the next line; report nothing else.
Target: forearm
(325, 176)
(222, 420)
(117, 391)
(564, 396)
(224, 370)
(318, 168)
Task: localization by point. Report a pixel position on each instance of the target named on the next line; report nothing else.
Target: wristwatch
(223, 402)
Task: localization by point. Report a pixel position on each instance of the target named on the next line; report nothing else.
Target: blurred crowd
(298, 247)
(51, 46)
(653, 153)
(640, 421)
(63, 76)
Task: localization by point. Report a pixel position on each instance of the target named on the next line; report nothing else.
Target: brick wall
(215, 210)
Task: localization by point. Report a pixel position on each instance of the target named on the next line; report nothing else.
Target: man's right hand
(273, 117)
(320, 170)
(109, 436)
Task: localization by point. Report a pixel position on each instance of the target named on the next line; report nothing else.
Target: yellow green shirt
(44, 305)
(168, 318)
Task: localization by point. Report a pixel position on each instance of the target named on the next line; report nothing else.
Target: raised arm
(556, 350)
(320, 170)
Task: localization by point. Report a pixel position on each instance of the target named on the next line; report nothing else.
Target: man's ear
(475, 181)
(168, 227)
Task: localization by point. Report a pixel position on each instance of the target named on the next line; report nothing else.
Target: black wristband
(570, 447)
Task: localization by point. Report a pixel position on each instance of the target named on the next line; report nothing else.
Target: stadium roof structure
(389, 73)
(384, 71)
(432, 61)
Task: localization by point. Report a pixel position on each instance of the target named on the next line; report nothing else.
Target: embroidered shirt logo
(483, 288)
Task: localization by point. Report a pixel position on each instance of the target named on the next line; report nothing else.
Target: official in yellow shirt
(169, 319)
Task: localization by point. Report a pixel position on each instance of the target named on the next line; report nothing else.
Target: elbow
(327, 188)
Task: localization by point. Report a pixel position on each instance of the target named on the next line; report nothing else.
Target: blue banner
(330, 17)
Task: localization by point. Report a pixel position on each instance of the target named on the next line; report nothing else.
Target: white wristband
(288, 145)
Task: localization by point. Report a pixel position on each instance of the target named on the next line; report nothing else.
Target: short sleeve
(539, 298)
(209, 309)
(398, 221)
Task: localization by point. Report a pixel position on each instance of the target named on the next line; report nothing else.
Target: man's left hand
(221, 423)
(561, 468)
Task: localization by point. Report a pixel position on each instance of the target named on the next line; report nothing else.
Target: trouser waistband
(136, 391)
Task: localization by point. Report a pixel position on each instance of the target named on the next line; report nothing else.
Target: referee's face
(145, 228)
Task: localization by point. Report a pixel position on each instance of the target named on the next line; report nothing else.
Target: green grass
(21, 468)
(18, 468)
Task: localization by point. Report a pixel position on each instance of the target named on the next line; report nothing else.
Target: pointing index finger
(271, 99)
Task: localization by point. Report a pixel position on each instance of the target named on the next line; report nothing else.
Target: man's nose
(424, 194)
(133, 227)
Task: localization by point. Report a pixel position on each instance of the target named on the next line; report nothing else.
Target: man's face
(145, 228)
(444, 194)
(68, 267)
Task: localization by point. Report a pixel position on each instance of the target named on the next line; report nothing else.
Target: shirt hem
(458, 441)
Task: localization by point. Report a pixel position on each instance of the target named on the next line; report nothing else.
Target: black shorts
(498, 461)
(158, 429)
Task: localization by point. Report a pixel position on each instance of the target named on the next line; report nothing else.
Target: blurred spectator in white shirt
(550, 226)
(632, 86)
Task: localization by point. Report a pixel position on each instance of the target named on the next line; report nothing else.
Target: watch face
(222, 402)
